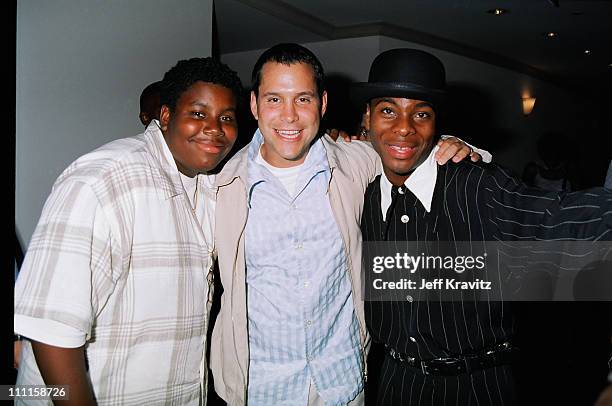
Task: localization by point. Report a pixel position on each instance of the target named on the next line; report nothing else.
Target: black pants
(401, 385)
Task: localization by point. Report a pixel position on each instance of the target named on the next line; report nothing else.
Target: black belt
(499, 354)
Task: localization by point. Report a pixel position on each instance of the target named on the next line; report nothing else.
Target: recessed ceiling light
(551, 34)
(498, 11)
(587, 51)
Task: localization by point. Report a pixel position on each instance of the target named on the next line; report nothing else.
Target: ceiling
(514, 40)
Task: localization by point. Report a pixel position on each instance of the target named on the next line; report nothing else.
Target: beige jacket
(353, 166)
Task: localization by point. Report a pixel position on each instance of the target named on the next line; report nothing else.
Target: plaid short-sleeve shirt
(119, 255)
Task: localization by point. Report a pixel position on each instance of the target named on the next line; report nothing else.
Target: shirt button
(409, 298)
(412, 339)
(306, 284)
(298, 246)
(404, 219)
(293, 206)
(308, 322)
(400, 190)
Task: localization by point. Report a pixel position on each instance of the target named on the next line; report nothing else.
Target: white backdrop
(81, 65)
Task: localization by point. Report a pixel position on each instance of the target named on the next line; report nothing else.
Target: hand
(335, 133)
(456, 149)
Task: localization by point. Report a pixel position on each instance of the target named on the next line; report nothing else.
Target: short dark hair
(147, 93)
(288, 54)
(189, 71)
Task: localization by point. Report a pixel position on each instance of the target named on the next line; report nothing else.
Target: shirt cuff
(486, 155)
(48, 332)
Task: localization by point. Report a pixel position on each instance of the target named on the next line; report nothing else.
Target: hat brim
(362, 93)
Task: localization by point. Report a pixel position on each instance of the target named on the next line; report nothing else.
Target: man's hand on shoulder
(455, 149)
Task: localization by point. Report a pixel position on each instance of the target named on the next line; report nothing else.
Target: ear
(254, 105)
(144, 118)
(164, 117)
(323, 103)
(365, 120)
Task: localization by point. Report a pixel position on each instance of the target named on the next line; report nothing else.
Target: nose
(404, 126)
(290, 113)
(212, 127)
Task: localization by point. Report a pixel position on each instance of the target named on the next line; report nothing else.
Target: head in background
(149, 103)
(553, 149)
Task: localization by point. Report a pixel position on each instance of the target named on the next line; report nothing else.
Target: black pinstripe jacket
(472, 202)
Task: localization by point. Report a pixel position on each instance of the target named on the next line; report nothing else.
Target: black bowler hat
(403, 72)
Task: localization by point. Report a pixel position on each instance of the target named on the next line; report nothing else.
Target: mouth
(401, 151)
(288, 135)
(209, 146)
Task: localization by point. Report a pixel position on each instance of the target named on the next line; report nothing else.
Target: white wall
(81, 65)
(512, 136)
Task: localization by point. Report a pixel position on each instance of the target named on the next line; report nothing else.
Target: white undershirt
(287, 176)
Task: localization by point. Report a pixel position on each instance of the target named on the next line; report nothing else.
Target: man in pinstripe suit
(448, 352)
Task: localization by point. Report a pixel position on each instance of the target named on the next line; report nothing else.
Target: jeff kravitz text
(412, 263)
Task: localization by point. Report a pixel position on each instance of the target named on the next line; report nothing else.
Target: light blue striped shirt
(301, 319)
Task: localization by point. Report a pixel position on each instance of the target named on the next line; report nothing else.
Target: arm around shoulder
(538, 214)
(361, 158)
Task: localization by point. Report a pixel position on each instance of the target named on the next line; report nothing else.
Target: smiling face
(202, 129)
(402, 132)
(288, 110)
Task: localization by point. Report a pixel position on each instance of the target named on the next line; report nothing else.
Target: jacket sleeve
(365, 164)
(524, 213)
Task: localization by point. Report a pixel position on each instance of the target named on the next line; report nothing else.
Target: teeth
(289, 133)
(400, 149)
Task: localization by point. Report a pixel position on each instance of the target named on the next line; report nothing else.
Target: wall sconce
(528, 103)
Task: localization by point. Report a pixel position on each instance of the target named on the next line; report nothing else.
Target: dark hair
(147, 93)
(553, 148)
(189, 71)
(288, 54)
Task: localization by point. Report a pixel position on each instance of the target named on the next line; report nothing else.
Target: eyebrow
(425, 104)
(304, 93)
(391, 101)
(384, 100)
(204, 105)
